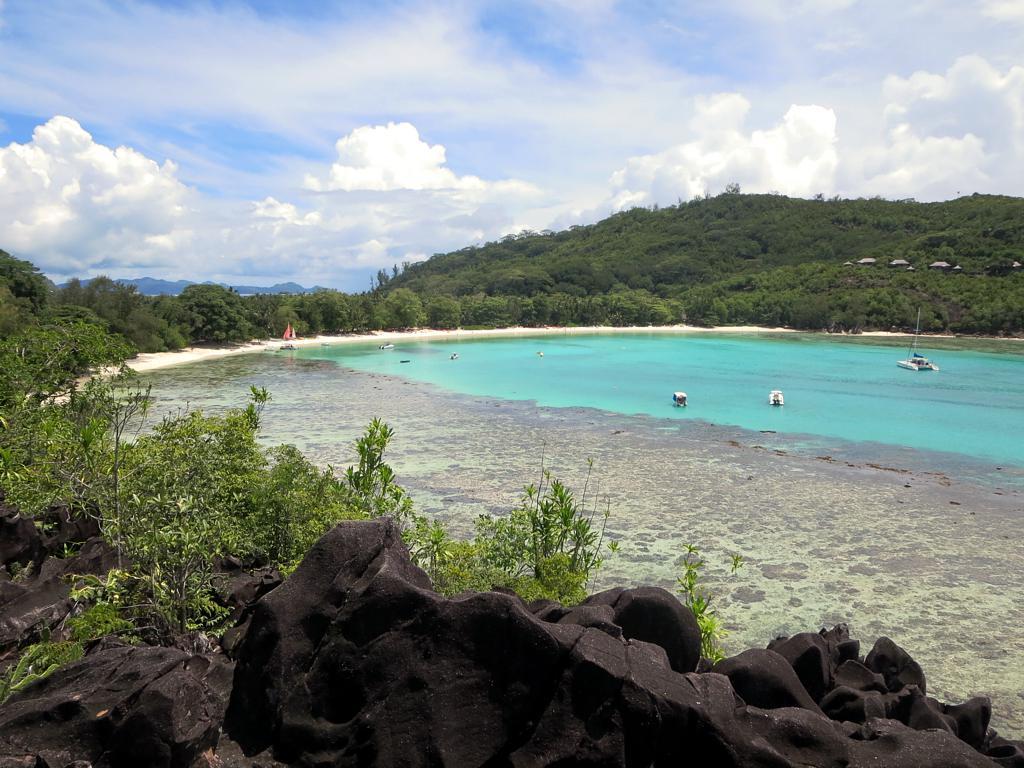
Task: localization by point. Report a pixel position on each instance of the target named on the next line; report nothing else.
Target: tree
(215, 314)
(403, 309)
(24, 281)
(443, 312)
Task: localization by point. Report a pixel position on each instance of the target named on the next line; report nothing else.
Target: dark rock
(854, 706)
(20, 542)
(911, 707)
(972, 719)
(895, 665)
(653, 615)
(548, 610)
(276, 655)
(1009, 754)
(815, 656)
(853, 674)
(65, 529)
(765, 679)
(600, 617)
(890, 743)
(121, 707)
(43, 600)
(238, 588)
(354, 660)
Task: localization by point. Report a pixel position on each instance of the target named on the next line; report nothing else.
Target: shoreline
(149, 361)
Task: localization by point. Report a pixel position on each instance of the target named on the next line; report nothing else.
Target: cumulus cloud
(79, 208)
(796, 157)
(947, 133)
(393, 156)
(79, 204)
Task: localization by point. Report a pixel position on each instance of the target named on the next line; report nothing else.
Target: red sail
(288, 333)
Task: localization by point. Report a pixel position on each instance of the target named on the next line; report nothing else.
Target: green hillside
(763, 259)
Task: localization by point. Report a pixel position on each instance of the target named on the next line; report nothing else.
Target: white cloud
(79, 208)
(946, 133)
(1003, 10)
(78, 204)
(393, 156)
(796, 157)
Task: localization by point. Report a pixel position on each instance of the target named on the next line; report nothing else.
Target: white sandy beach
(153, 360)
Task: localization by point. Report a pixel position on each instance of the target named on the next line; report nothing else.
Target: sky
(318, 142)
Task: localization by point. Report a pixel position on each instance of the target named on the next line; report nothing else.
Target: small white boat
(386, 346)
(916, 361)
(287, 346)
(775, 397)
(679, 399)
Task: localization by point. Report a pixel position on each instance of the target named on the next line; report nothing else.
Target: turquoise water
(974, 406)
(928, 554)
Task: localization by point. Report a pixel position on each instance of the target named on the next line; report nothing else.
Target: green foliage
(98, 621)
(215, 314)
(54, 435)
(736, 259)
(36, 662)
(298, 503)
(698, 598)
(123, 310)
(403, 309)
(22, 282)
(372, 482)
(549, 546)
(190, 488)
(444, 312)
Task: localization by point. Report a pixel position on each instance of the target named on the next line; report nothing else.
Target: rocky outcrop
(121, 707)
(355, 660)
(20, 542)
(41, 601)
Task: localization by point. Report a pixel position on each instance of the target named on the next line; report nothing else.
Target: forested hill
(767, 259)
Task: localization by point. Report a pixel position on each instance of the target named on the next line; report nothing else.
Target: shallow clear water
(919, 545)
(973, 406)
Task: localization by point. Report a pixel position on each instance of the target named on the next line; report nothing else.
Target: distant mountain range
(151, 286)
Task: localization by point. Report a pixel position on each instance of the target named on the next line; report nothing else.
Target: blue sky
(318, 142)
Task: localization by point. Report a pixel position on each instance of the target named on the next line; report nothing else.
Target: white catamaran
(916, 361)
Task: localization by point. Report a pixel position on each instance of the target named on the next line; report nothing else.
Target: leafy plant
(98, 621)
(698, 599)
(36, 662)
(372, 481)
(550, 544)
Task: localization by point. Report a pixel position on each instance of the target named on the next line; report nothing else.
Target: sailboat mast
(917, 330)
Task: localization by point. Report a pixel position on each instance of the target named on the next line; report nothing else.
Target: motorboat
(679, 399)
(386, 346)
(916, 361)
(775, 397)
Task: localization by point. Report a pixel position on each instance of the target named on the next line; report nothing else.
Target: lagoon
(855, 392)
(918, 543)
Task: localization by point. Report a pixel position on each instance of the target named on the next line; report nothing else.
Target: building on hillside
(957, 268)
(847, 263)
(899, 263)
(1015, 265)
(939, 265)
(910, 268)
(867, 262)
